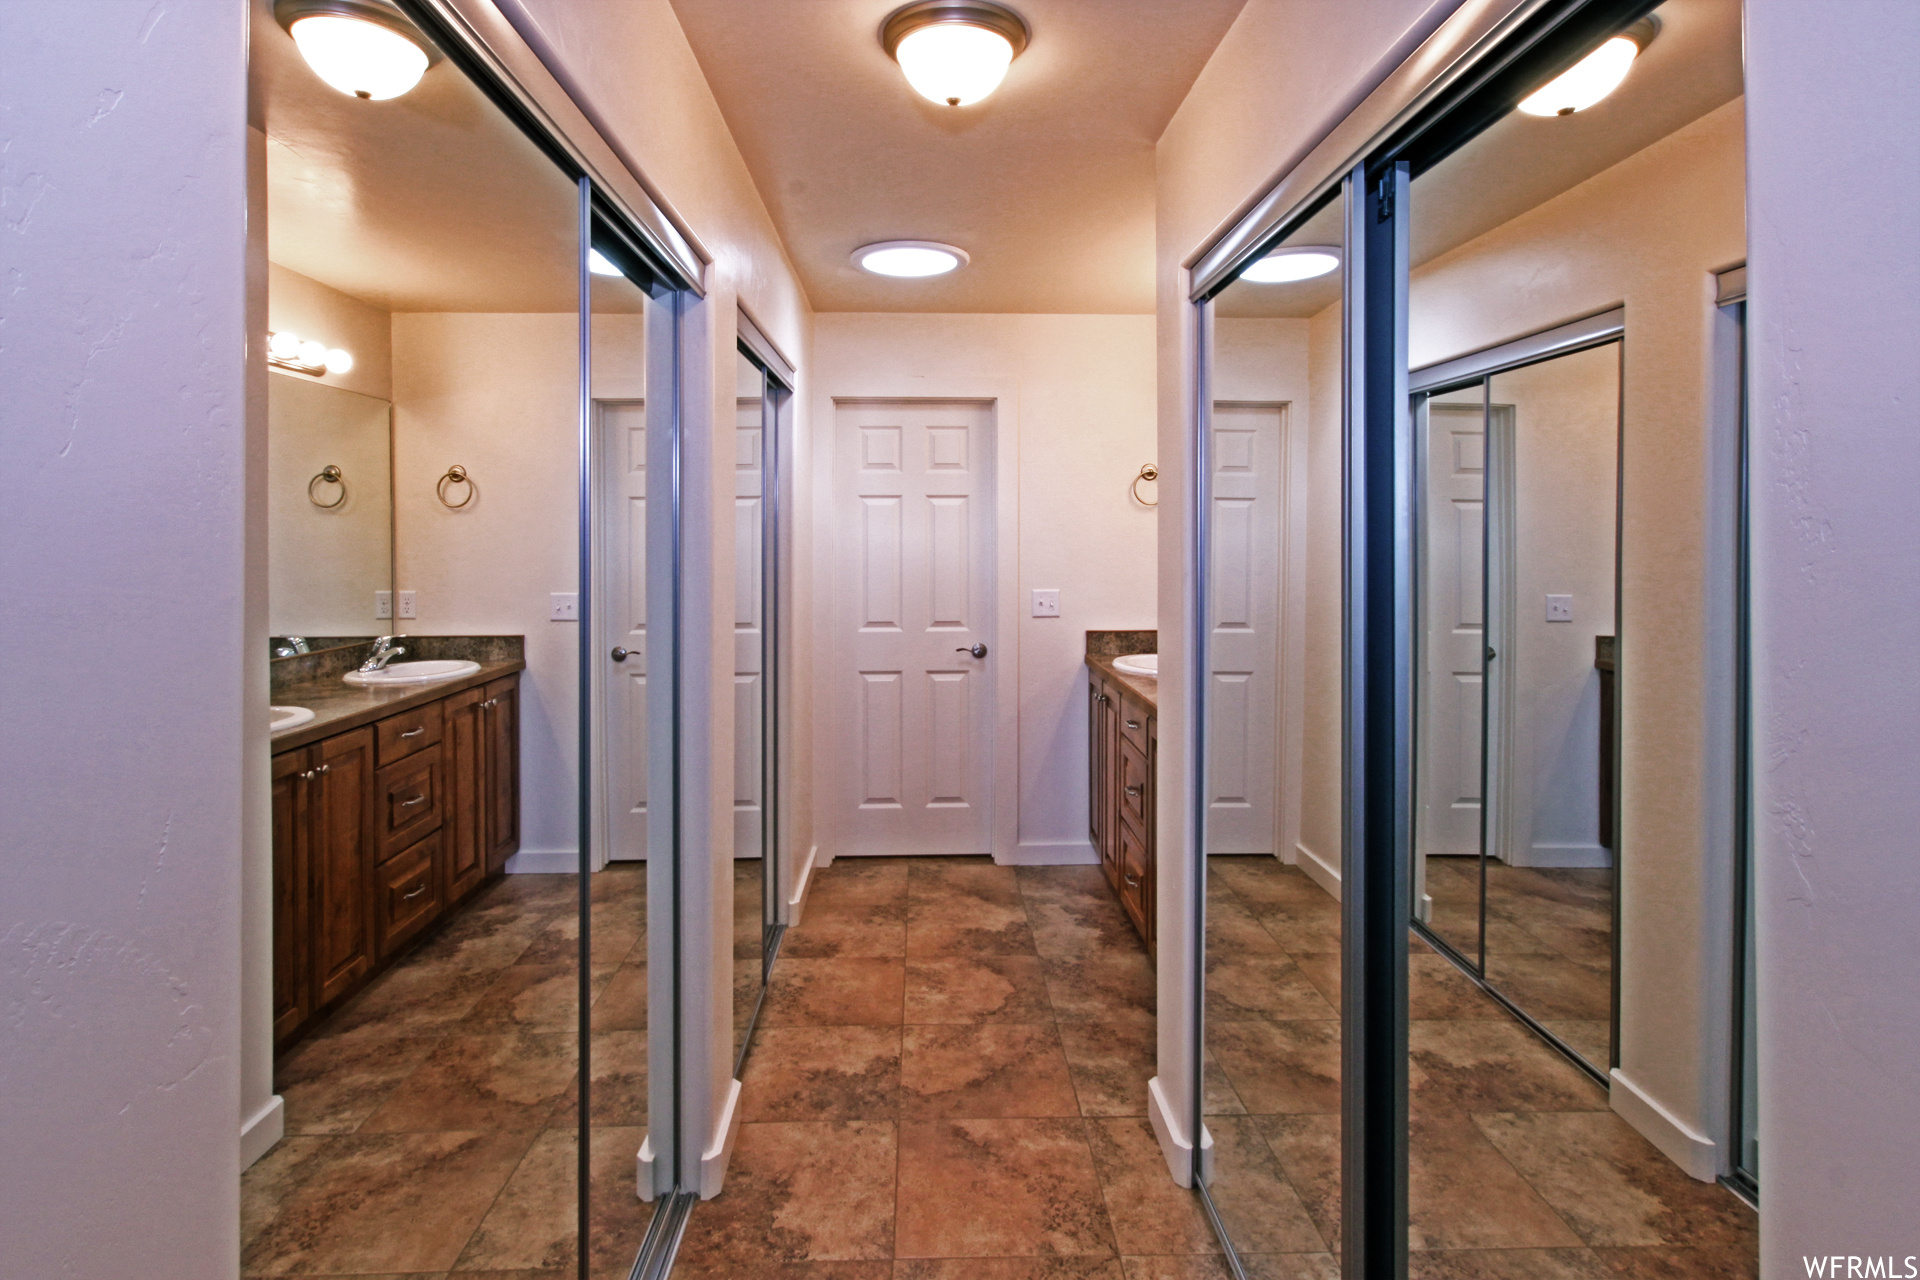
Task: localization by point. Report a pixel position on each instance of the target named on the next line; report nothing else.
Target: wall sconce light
(954, 52)
(365, 48)
(287, 351)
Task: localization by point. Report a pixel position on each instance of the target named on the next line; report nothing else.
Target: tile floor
(1549, 941)
(1519, 1171)
(431, 1122)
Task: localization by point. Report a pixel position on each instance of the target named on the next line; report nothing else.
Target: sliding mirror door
(1269, 465)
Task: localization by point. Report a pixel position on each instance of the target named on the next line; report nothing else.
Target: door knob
(621, 655)
(1491, 655)
(978, 651)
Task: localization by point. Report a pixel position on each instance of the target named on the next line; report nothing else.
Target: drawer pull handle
(414, 733)
(1133, 791)
(1133, 882)
(409, 897)
(1133, 724)
(419, 799)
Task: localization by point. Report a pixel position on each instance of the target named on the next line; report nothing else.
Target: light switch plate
(1559, 608)
(1046, 602)
(565, 606)
(408, 606)
(383, 604)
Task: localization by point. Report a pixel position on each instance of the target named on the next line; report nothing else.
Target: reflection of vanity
(1123, 741)
(390, 808)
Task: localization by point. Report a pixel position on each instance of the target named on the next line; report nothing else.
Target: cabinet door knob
(491, 702)
(414, 733)
(325, 768)
(309, 775)
(620, 654)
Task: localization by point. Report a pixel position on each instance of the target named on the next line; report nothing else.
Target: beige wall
(1085, 397)
(324, 565)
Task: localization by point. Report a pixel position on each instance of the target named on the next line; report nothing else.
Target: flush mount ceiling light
(954, 52)
(1594, 76)
(1297, 262)
(365, 48)
(909, 259)
(601, 265)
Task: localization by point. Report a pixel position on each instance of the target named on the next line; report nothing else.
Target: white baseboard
(1174, 1147)
(802, 881)
(259, 1133)
(643, 1170)
(713, 1161)
(1051, 853)
(544, 862)
(1686, 1146)
(1567, 855)
(1319, 870)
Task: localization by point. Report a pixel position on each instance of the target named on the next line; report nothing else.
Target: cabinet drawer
(1134, 784)
(1134, 869)
(409, 732)
(1133, 722)
(408, 894)
(409, 798)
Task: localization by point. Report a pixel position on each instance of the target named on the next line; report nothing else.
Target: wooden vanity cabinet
(1123, 736)
(378, 832)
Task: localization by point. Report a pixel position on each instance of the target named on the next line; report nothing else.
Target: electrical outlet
(565, 606)
(382, 604)
(1046, 602)
(1559, 608)
(409, 607)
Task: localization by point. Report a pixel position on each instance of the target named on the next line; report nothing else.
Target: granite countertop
(314, 681)
(1104, 646)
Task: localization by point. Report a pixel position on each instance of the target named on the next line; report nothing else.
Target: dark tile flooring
(431, 1122)
(1549, 943)
(1519, 1171)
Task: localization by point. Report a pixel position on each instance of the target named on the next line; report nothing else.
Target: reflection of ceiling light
(909, 258)
(954, 52)
(598, 264)
(1301, 262)
(365, 48)
(1594, 76)
(288, 351)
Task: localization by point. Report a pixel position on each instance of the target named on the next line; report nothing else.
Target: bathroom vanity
(391, 807)
(1123, 742)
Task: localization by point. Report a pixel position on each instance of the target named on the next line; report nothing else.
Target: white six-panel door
(1250, 487)
(1455, 636)
(912, 709)
(623, 622)
(748, 627)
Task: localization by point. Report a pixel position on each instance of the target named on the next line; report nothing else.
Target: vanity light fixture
(365, 48)
(954, 52)
(1594, 76)
(287, 351)
(909, 259)
(1295, 262)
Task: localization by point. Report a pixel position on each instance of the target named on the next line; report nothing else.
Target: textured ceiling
(1048, 184)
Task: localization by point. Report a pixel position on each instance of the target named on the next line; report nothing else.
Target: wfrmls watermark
(1847, 1266)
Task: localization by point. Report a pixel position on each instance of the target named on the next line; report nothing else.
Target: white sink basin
(415, 672)
(1139, 664)
(289, 717)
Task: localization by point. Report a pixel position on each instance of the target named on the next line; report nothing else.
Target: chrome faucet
(384, 651)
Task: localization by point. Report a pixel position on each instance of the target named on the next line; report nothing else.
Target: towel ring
(329, 474)
(455, 475)
(1147, 472)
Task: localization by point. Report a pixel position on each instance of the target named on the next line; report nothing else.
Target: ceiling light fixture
(1594, 76)
(601, 265)
(954, 52)
(1296, 262)
(909, 259)
(364, 48)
